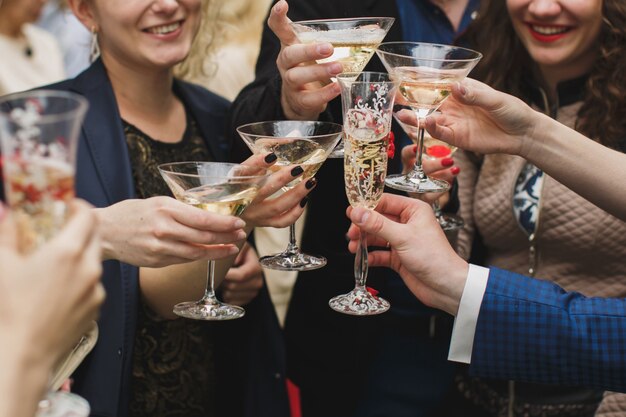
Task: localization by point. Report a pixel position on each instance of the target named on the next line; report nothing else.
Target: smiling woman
(566, 58)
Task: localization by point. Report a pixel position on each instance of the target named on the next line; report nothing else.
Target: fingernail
(296, 171)
(364, 217)
(278, 7)
(324, 48)
(310, 183)
(335, 68)
(241, 235)
(270, 158)
(233, 250)
(304, 201)
(415, 148)
(462, 89)
(447, 162)
(239, 224)
(455, 170)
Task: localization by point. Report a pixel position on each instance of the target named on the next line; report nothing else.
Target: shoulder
(40, 37)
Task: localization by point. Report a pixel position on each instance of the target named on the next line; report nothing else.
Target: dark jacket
(252, 364)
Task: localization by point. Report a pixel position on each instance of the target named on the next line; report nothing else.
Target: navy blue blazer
(104, 177)
(532, 330)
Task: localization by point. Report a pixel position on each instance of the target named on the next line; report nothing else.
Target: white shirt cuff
(467, 317)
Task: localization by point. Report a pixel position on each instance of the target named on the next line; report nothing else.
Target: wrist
(538, 126)
(453, 282)
(108, 249)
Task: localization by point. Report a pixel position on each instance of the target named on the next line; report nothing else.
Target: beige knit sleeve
(470, 168)
(613, 405)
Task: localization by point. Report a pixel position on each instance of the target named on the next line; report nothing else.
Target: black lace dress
(173, 360)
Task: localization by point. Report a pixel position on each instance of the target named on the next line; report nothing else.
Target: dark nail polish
(447, 162)
(304, 201)
(296, 171)
(310, 183)
(271, 158)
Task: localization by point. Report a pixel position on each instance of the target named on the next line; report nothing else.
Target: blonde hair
(210, 32)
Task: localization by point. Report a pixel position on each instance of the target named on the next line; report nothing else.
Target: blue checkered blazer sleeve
(532, 330)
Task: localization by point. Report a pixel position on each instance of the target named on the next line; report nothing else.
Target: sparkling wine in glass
(39, 137)
(426, 73)
(367, 100)
(221, 188)
(433, 149)
(303, 143)
(354, 42)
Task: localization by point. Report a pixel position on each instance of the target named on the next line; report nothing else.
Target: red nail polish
(455, 170)
(447, 162)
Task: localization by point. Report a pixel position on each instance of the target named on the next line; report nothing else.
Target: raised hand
(306, 86)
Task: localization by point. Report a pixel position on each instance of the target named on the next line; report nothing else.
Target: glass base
(416, 185)
(450, 222)
(338, 151)
(207, 309)
(359, 302)
(63, 404)
(293, 261)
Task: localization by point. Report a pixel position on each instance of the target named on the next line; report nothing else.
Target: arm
(527, 329)
(483, 120)
(47, 301)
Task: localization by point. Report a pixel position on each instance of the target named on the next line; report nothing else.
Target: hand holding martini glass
(426, 73)
(303, 143)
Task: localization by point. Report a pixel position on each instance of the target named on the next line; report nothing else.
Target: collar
(568, 92)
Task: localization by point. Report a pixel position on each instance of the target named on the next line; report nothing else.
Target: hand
(269, 211)
(244, 279)
(305, 84)
(419, 250)
(161, 231)
(441, 168)
(481, 119)
(49, 298)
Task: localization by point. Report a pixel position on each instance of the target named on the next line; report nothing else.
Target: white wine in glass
(221, 188)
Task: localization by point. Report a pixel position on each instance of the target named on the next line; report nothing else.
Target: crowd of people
(522, 313)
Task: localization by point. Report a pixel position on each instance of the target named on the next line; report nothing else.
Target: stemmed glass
(221, 188)
(39, 137)
(354, 41)
(367, 100)
(433, 149)
(304, 143)
(426, 73)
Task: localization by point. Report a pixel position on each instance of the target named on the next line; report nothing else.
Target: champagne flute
(303, 143)
(434, 149)
(39, 137)
(426, 73)
(367, 103)
(354, 41)
(221, 188)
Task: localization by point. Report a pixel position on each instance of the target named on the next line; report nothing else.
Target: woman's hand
(267, 210)
(480, 119)
(244, 279)
(160, 231)
(306, 86)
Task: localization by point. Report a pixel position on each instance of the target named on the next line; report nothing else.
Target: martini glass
(221, 188)
(39, 136)
(433, 149)
(303, 143)
(367, 100)
(426, 73)
(354, 41)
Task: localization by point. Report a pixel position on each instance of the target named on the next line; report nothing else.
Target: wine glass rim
(335, 126)
(163, 168)
(451, 47)
(343, 19)
(348, 74)
(80, 107)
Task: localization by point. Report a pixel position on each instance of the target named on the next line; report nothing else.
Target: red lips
(542, 37)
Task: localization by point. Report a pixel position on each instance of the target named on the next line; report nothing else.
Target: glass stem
(418, 171)
(293, 245)
(437, 209)
(360, 262)
(209, 292)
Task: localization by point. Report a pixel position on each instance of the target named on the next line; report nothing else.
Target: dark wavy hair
(506, 63)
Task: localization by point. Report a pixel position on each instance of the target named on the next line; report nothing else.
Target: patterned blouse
(173, 364)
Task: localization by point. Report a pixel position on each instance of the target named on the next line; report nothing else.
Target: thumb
(475, 93)
(376, 224)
